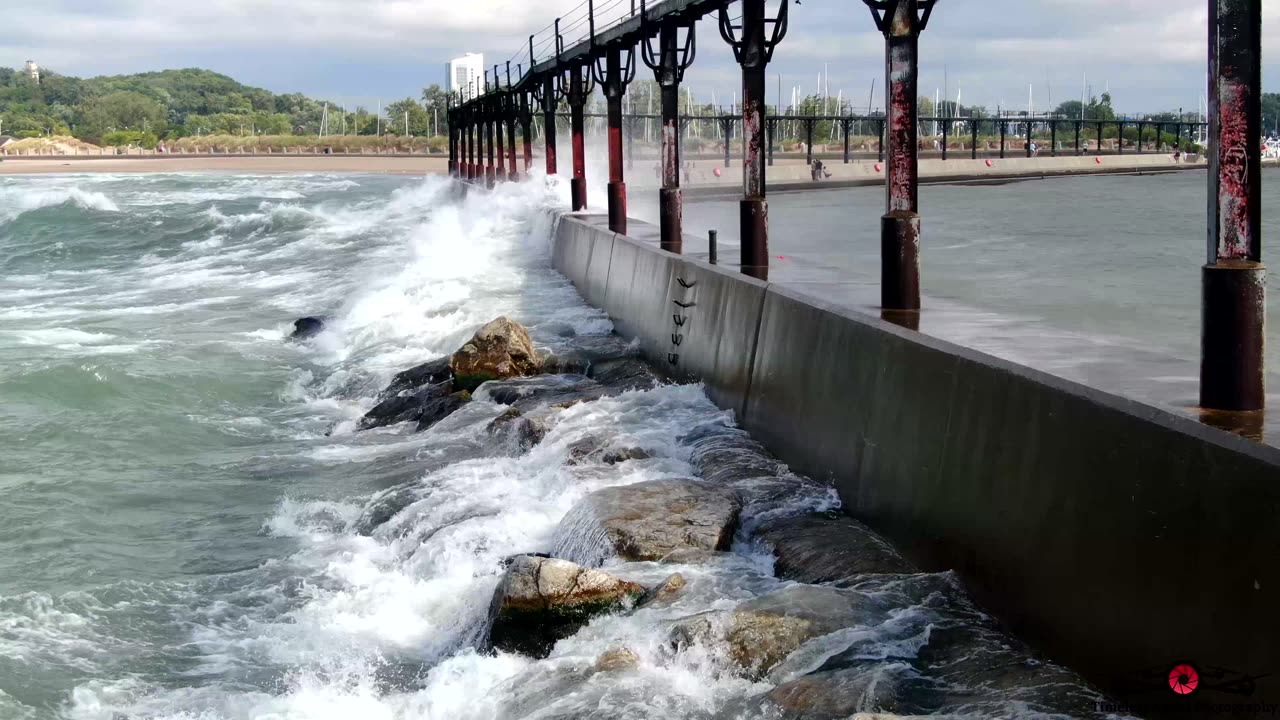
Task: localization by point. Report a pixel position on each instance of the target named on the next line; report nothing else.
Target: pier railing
(595, 44)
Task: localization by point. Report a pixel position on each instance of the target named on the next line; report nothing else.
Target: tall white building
(466, 75)
(33, 70)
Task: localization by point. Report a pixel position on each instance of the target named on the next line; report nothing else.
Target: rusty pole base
(578, 192)
(1232, 365)
(670, 217)
(900, 260)
(514, 176)
(618, 207)
(753, 219)
(489, 178)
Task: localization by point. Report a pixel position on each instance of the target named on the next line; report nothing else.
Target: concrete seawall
(1116, 536)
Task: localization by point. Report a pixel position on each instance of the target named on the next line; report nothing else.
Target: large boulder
(500, 349)
(621, 374)
(828, 548)
(840, 695)
(541, 600)
(426, 407)
(533, 393)
(648, 521)
(519, 431)
(762, 632)
(306, 327)
(410, 381)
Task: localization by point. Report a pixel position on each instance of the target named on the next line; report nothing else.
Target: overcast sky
(1149, 53)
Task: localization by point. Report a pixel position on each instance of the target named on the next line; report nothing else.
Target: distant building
(33, 70)
(466, 75)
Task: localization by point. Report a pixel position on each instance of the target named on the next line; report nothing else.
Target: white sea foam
(14, 201)
(346, 621)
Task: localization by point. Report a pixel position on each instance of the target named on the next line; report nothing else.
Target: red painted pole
(668, 70)
(498, 122)
(578, 98)
(900, 226)
(753, 210)
(617, 189)
(549, 121)
(513, 173)
(490, 174)
(1232, 366)
(527, 132)
(469, 167)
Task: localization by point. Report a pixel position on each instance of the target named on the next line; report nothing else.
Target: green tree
(125, 110)
(419, 119)
(435, 102)
(1100, 109)
(1270, 113)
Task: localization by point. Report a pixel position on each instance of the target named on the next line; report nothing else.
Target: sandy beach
(388, 165)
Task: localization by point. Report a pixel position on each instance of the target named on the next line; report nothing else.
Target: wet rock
(756, 642)
(621, 455)
(307, 327)
(724, 454)
(596, 348)
(828, 548)
(531, 393)
(585, 449)
(649, 520)
(383, 507)
(621, 374)
(405, 408)
(665, 590)
(617, 659)
(512, 426)
(694, 556)
(409, 381)
(542, 600)
(762, 632)
(441, 408)
(427, 407)
(567, 363)
(839, 695)
(500, 349)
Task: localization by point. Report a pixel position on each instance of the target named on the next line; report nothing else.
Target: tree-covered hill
(180, 103)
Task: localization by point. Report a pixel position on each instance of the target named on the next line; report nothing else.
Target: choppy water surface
(184, 489)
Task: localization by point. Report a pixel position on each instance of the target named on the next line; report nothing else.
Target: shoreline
(412, 165)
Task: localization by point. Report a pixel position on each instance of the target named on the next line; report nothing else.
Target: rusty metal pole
(808, 140)
(668, 63)
(613, 82)
(548, 97)
(578, 98)
(973, 141)
(1232, 365)
(468, 150)
(491, 168)
(526, 130)
(499, 122)
(753, 50)
(453, 148)
(512, 173)
(900, 226)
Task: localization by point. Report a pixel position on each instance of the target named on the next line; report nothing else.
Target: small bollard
(712, 246)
